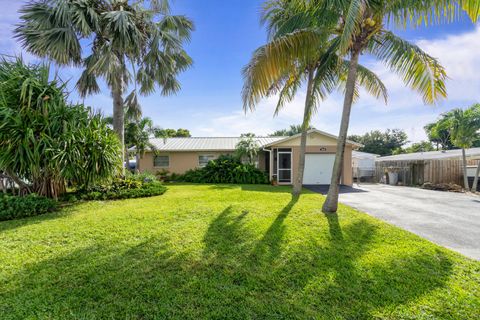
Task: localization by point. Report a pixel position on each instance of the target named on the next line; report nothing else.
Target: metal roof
(205, 143)
(364, 155)
(473, 153)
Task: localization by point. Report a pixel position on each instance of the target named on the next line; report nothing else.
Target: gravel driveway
(448, 219)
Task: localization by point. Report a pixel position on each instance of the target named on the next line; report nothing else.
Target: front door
(284, 166)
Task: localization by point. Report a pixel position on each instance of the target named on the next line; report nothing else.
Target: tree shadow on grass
(238, 275)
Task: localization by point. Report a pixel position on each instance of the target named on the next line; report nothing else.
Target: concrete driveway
(449, 219)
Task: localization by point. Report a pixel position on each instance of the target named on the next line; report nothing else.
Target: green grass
(236, 252)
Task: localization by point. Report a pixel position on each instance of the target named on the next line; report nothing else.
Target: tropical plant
(172, 133)
(247, 147)
(464, 126)
(296, 55)
(132, 42)
(226, 169)
(45, 142)
(358, 27)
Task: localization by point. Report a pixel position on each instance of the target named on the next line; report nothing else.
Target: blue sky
(227, 32)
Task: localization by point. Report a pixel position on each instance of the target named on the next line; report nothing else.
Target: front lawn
(236, 252)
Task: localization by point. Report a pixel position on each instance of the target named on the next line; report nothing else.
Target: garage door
(318, 168)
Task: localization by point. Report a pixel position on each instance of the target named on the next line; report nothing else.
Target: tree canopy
(381, 143)
(171, 133)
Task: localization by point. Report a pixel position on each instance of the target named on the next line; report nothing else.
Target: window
(161, 161)
(204, 159)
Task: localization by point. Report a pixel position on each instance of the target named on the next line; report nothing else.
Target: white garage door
(318, 168)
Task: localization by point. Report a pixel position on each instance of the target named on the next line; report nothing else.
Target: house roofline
(359, 145)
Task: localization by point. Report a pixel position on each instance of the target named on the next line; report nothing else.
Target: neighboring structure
(435, 166)
(279, 156)
(363, 164)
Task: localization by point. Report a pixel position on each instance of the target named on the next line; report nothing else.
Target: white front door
(318, 168)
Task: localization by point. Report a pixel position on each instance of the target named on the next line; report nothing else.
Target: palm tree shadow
(268, 248)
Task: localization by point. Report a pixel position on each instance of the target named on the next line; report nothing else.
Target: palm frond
(418, 70)
(273, 61)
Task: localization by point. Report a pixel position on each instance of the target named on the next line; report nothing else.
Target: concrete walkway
(449, 219)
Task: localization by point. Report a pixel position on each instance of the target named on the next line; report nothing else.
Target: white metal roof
(205, 143)
(473, 153)
(364, 155)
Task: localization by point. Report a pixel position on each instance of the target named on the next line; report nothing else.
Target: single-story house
(279, 156)
(443, 166)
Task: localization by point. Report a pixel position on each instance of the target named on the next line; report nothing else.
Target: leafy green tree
(464, 127)
(128, 43)
(423, 146)
(247, 147)
(293, 130)
(171, 133)
(295, 56)
(381, 143)
(439, 136)
(358, 27)
(44, 141)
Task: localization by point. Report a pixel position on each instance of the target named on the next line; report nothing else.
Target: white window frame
(161, 155)
(210, 158)
(278, 165)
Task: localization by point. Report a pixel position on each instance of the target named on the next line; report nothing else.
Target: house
(445, 166)
(279, 156)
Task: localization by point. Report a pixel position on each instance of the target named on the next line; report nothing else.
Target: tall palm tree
(129, 42)
(360, 29)
(463, 126)
(294, 57)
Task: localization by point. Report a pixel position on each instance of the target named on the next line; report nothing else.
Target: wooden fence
(417, 172)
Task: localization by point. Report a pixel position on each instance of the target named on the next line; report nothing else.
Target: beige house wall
(180, 162)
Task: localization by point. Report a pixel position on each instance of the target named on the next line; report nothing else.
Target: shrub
(128, 188)
(226, 169)
(14, 207)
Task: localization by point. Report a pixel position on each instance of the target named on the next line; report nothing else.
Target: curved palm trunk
(331, 203)
(465, 177)
(298, 182)
(118, 118)
(475, 181)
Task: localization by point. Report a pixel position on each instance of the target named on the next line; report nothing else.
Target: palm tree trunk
(465, 177)
(475, 181)
(118, 117)
(331, 203)
(298, 182)
(127, 159)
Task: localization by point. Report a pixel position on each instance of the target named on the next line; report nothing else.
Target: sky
(226, 34)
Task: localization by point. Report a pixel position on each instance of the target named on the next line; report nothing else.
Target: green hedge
(226, 169)
(14, 207)
(121, 189)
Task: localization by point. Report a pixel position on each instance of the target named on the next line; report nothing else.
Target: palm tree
(295, 56)
(138, 134)
(360, 29)
(136, 42)
(463, 126)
